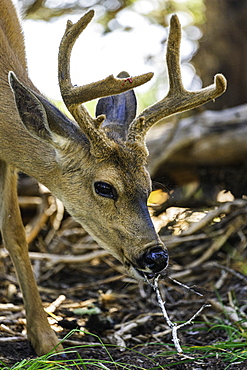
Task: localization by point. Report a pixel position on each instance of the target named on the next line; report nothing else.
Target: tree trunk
(223, 48)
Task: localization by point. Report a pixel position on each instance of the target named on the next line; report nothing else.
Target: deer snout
(153, 261)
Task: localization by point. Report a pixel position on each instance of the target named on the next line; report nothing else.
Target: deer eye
(105, 190)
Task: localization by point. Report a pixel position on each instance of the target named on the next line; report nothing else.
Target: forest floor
(115, 322)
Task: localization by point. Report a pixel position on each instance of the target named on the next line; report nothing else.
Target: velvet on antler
(74, 96)
(178, 98)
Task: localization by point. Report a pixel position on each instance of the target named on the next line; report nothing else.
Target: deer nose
(155, 259)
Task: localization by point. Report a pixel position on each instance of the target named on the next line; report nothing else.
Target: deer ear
(41, 118)
(30, 109)
(120, 111)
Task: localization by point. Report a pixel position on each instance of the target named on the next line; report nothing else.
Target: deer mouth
(146, 275)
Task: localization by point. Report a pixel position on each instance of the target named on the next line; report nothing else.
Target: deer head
(99, 163)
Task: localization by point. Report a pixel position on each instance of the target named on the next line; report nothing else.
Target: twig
(126, 327)
(103, 366)
(228, 269)
(225, 208)
(56, 258)
(10, 307)
(217, 243)
(13, 339)
(229, 311)
(4, 327)
(55, 304)
(173, 326)
(185, 286)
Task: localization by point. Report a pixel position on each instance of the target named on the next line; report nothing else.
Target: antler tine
(109, 86)
(74, 96)
(178, 98)
(69, 38)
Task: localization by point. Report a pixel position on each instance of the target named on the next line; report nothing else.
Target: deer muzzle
(153, 261)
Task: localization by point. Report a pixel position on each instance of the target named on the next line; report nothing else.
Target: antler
(178, 98)
(74, 96)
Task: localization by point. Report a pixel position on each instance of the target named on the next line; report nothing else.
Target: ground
(114, 318)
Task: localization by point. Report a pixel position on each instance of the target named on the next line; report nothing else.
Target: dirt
(125, 314)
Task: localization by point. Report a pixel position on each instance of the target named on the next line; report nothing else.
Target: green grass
(50, 362)
(232, 351)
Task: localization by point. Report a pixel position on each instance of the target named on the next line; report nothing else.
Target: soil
(103, 305)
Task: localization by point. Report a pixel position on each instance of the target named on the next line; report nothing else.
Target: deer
(95, 166)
